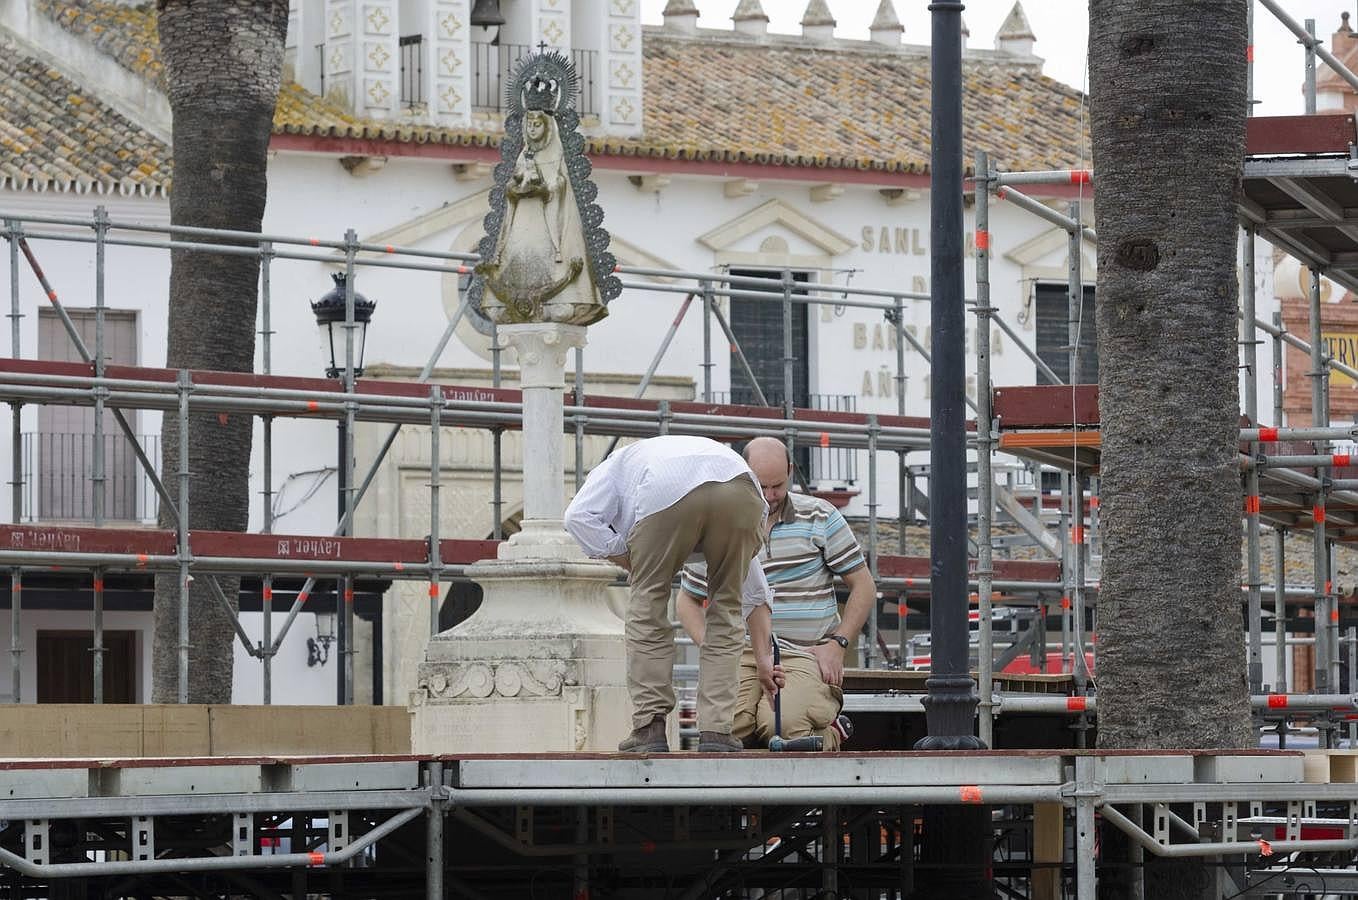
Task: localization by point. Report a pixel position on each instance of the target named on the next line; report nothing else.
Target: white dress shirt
(646, 477)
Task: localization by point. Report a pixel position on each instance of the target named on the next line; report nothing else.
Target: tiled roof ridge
(777, 40)
(906, 53)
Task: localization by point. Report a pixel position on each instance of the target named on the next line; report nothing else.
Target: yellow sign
(1342, 346)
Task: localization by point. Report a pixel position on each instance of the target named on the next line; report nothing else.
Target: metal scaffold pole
(708, 301)
(16, 574)
(434, 861)
(182, 534)
(984, 445)
(265, 650)
(435, 508)
(789, 403)
(1249, 345)
(580, 420)
(870, 647)
(1320, 419)
(497, 502)
(1064, 525)
(346, 466)
(898, 322)
(97, 451)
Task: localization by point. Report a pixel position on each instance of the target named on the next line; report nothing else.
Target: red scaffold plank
(1047, 406)
(41, 538)
(464, 552)
(452, 552)
(20, 371)
(1004, 569)
(1320, 134)
(294, 546)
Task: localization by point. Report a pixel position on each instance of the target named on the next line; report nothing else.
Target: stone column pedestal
(540, 666)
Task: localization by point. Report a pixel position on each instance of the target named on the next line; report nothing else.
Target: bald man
(806, 544)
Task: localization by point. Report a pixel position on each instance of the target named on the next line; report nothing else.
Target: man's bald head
(771, 464)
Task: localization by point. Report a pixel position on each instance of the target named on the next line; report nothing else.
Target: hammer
(778, 744)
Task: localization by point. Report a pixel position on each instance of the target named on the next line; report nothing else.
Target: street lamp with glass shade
(331, 322)
(329, 311)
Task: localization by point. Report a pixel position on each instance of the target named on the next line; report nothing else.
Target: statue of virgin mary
(544, 257)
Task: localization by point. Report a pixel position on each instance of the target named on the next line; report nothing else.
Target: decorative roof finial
(1016, 35)
(681, 15)
(750, 17)
(886, 27)
(817, 22)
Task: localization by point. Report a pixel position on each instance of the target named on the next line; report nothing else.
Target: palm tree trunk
(223, 63)
(1168, 97)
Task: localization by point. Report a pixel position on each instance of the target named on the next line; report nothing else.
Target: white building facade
(714, 152)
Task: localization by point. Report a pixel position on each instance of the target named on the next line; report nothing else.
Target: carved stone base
(539, 667)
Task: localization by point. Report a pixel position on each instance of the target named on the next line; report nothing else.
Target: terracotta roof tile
(722, 98)
(55, 136)
(125, 33)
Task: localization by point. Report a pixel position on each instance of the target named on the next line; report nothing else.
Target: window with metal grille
(1053, 334)
(412, 70)
(58, 459)
(758, 329)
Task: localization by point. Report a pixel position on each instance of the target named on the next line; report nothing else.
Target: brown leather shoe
(717, 742)
(647, 739)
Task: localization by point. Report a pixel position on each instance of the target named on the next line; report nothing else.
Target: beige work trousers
(724, 522)
(809, 705)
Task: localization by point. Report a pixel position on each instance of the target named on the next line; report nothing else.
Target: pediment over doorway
(1045, 255)
(782, 215)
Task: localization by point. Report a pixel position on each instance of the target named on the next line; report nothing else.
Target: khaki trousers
(724, 522)
(809, 704)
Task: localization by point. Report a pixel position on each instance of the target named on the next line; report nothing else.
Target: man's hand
(830, 657)
(623, 562)
(771, 677)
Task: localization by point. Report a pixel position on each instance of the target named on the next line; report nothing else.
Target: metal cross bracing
(120, 388)
(598, 824)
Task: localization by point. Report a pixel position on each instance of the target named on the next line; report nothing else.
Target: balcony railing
(493, 65)
(58, 469)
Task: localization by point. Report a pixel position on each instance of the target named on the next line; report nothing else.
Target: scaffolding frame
(354, 820)
(178, 393)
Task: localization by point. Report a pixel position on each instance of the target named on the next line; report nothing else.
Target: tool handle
(778, 696)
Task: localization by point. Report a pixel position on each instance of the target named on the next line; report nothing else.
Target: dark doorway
(66, 667)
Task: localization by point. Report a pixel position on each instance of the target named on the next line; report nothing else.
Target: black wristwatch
(839, 639)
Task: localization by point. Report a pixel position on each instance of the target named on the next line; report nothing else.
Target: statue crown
(541, 94)
(544, 82)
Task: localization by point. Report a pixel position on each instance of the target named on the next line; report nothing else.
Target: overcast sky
(1061, 27)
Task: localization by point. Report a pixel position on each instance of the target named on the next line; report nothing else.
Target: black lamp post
(330, 311)
(956, 839)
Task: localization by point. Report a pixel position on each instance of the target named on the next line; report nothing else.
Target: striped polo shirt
(809, 545)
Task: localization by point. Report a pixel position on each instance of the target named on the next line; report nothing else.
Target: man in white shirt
(648, 508)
